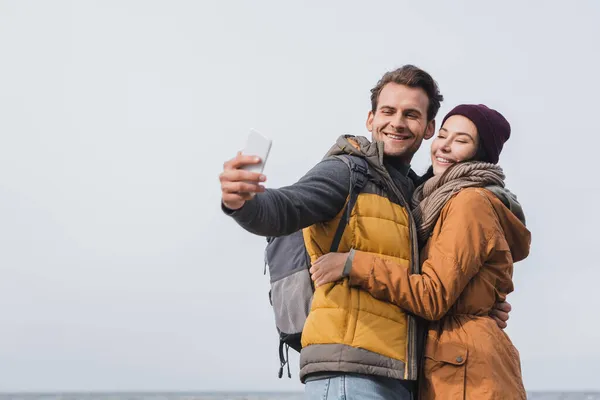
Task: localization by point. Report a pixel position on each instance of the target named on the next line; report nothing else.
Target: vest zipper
(411, 369)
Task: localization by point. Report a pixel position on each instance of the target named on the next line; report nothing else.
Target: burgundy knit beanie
(492, 127)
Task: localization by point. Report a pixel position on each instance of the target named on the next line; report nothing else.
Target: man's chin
(390, 151)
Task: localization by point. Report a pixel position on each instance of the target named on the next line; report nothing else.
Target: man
(353, 344)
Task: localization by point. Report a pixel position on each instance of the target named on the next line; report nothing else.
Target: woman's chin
(439, 169)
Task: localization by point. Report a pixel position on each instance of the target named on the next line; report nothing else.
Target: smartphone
(257, 145)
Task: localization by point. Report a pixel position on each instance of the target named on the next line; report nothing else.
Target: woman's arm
(469, 233)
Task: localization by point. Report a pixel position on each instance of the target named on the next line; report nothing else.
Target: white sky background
(118, 270)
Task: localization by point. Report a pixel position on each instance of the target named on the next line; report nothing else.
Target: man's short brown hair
(413, 77)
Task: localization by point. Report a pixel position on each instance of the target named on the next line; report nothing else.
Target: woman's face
(456, 141)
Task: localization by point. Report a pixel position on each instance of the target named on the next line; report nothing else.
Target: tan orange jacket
(467, 267)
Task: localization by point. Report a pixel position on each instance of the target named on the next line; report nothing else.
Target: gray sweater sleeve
(317, 197)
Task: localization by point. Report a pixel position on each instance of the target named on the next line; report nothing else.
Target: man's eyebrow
(387, 107)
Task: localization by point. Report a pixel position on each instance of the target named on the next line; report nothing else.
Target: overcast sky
(118, 270)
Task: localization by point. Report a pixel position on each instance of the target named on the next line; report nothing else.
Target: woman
(471, 239)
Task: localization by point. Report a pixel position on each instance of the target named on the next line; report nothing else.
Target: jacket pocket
(444, 370)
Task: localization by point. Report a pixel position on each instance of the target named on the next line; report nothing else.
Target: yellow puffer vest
(348, 330)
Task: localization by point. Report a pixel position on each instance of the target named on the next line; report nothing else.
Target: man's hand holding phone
(239, 185)
(242, 175)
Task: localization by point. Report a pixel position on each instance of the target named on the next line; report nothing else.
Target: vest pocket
(445, 369)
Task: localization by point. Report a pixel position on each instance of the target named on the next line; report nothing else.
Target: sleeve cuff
(348, 264)
(361, 268)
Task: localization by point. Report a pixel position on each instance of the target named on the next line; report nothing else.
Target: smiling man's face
(400, 120)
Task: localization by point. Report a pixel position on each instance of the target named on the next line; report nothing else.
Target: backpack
(288, 262)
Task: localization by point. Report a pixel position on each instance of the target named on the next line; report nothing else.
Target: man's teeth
(443, 160)
(396, 137)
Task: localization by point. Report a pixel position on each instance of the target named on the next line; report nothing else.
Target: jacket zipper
(410, 372)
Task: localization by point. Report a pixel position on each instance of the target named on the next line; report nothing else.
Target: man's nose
(399, 122)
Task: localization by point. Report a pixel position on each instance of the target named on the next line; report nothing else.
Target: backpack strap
(359, 176)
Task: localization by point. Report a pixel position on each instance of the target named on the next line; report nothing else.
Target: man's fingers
(241, 161)
(230, 198)
(317, 275)
(504, 306)
(242, 188)
(236, 175)
(501, 315)
(501, 324)
(326, 278)
(234, 198)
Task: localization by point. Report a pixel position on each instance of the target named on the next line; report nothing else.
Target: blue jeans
(357, 387)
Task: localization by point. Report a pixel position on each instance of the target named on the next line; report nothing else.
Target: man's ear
(369, 123)
(430, 130)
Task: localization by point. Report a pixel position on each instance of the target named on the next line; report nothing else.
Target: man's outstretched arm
(317, 197)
